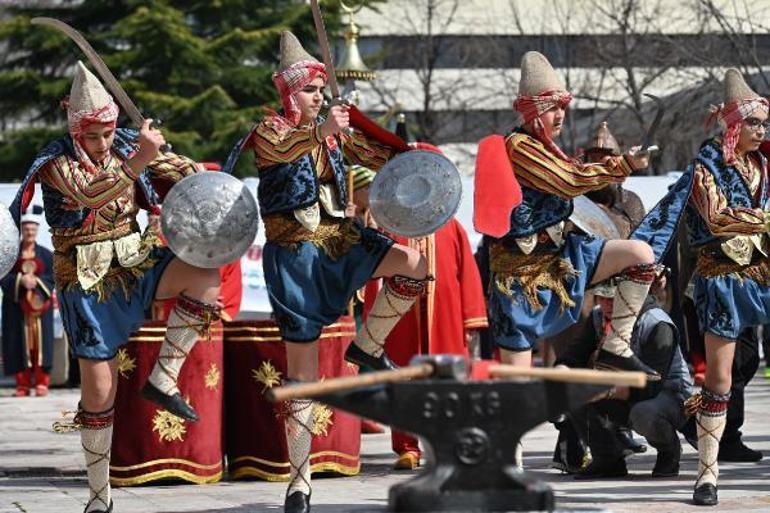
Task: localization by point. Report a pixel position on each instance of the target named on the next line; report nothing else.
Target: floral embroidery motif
(322, 419)
(212, 377)
(267, 375)
(169, 427)
(126, 364)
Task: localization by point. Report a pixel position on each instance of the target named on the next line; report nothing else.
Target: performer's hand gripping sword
(128, 106)
(331, 74)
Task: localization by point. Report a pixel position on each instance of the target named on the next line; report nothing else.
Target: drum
(150, 444)
(255, 359)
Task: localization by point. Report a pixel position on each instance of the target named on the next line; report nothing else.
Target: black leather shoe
(173, 403)
(705, 495)
(667, 463)
(356, 355)
(297, 502)
(108, 510)
(612, 362)
(630, 445)
(738, 452)
(603, 470)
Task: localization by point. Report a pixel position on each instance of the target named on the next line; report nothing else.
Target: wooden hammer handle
(596, 377)
(330, 386)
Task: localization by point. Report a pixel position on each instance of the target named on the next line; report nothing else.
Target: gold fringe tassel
(532, 272)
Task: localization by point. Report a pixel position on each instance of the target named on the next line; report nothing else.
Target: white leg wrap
(710, 429)
(388, 308)
(630, 294)
(299, 426)
(183, 330)
(97, 443)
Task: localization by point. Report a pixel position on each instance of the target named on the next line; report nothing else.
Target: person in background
(27, 327)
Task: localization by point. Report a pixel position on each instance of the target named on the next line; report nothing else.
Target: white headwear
(33, 214)
(89, 103)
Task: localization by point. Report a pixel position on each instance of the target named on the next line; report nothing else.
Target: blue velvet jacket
(659, 226)
(287, 187)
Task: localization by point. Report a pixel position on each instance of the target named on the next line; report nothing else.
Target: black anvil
(470, 430)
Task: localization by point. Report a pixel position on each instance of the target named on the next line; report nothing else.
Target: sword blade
(323, 43)
(129, 107)
(647, 141)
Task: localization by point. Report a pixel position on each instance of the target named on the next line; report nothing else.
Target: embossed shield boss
(209, 219)
(9, 241)
(415, 193)
(590, 218)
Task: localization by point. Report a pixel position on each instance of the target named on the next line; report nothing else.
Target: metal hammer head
(445, 366)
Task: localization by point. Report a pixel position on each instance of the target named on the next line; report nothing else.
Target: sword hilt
(157, 123)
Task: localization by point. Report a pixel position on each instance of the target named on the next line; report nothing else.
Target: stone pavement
(41, 472)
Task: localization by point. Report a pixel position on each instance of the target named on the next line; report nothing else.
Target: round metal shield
(209, 219)
(9, 241)
(589, 217)
(415, 193)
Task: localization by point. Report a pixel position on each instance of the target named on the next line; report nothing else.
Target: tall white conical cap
(736, 88)
(292, 51)
(538, 76)
(87, 93)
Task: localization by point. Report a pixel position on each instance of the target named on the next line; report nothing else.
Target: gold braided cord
(532, 272)
(334, 236)
(713, 265)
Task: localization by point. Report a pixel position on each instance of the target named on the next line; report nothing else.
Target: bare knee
(203, 284)
(719, 379)
(641, 252)
(416, 265)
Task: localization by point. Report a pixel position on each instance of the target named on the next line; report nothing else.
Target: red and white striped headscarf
(730, 117)
(292, 80)
(532, 107)
(79, 121)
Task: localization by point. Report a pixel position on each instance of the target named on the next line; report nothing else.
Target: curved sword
(129, 107)
(647, 141)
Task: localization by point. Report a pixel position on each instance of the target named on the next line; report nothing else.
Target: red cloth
(371, 129)
(453, 304)
(495, 189)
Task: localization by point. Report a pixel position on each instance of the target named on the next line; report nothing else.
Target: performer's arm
(365, 151)
(277, 142)
(91, 191)
(722, 219)
(540, 169)
(172, 167)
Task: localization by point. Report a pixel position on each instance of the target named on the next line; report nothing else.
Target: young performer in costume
(540, 274)
(317, 255)
(107, 273)
(725, 195)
